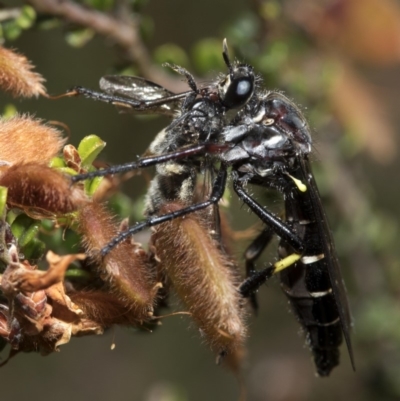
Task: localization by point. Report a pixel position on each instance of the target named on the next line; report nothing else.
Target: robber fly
(267, 144)
(270, 147)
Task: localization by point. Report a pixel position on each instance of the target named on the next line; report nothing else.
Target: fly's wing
(155, 98)
(335, 275)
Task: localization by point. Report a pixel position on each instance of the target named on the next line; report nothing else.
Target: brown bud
(40, 190)
(204, 279)
(17, 77)
(24, 139)
(72, 158)
(126, 268)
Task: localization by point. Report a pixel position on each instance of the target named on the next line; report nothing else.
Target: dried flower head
(24, 139)
(40, 190)
(17, 77)
(126, 268)
(204, 279)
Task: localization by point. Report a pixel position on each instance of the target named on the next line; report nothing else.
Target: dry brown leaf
(35, 280)
(24, 139)
(41, 320)
(17, 77)
(24, 278)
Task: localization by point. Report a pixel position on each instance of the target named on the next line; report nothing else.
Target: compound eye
(238, 92)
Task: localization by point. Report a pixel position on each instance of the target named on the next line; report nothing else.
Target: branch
(123, 31)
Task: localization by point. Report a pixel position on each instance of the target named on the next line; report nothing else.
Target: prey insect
(272, 147)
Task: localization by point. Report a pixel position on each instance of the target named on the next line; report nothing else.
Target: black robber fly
(271, 144)
(267, 144)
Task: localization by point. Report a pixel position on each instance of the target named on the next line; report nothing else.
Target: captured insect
(271, 149)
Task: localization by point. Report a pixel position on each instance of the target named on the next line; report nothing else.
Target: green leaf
(207, 55)
(29, 234)
(92, 185)
(10, 111)
(171, 53)
(89, 148)
(27, 17)
(34, 249)
(57, 162)
(11, 30)
(78, 274)
(67, 170)
(79, 38)
(3, 200)
(25, 229)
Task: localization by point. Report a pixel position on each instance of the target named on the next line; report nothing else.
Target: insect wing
(338, 288)
(142, 90)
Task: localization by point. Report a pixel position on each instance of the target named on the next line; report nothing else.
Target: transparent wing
(155, 98)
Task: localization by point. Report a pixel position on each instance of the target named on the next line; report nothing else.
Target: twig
(123, 31)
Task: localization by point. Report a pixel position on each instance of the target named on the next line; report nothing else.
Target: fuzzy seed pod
(205, 281)
(24, 139)
(126, 268)
(104, 308)
(17, 77)
(40, 190)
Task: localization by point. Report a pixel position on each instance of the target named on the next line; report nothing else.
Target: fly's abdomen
(308, 288)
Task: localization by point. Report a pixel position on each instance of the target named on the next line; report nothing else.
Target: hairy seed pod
(24, 139)
(40, 190)
(204, 279)
(17, 77)
(126, 268)
(104, 308)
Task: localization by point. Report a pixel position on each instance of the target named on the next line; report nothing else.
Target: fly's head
(237, 87)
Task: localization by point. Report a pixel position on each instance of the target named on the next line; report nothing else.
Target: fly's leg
(279, 227)
(142, 163)
(252, 253)
(253, 283)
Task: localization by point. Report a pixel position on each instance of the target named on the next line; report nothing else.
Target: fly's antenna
(225, 55)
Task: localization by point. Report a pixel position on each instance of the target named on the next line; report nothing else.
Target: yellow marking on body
(319, 294)
(299, 184)
(286, 262)
(307, 260)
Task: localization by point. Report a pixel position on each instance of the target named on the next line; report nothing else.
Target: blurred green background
(339, 60)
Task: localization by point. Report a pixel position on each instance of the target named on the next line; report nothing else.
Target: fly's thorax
(281, 112)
